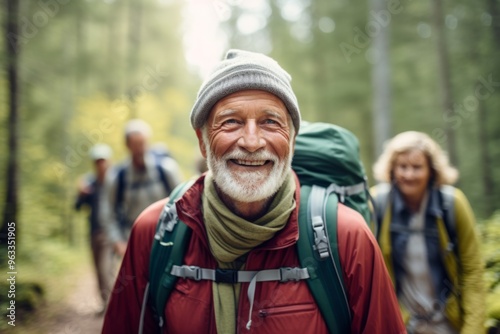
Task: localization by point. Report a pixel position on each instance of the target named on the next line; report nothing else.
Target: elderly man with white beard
(243, 214)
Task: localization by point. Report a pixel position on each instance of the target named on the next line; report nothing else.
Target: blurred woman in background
(426, 230)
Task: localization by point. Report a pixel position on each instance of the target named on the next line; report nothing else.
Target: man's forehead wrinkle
(273, 113)
(229, 112)
(244, 71)
(226, 112)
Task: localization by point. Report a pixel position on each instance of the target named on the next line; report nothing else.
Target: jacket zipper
(285, 309)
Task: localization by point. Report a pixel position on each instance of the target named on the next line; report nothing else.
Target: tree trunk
(495, 24)
(80, 74)
(134, 37)
(487, 173)
(111, 85)
(444, 79)
(381, 81)
(74, 79)
(491, 106)
(12, 48)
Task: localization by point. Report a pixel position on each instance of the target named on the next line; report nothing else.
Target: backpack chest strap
(240, 276)
(345, 191)
(230, 276)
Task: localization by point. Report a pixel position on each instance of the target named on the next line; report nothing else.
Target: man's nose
(251, 138)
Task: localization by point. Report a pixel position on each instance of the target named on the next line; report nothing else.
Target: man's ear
(201, 143)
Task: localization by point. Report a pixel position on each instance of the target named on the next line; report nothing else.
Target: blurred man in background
(136, 183)
(90, 190)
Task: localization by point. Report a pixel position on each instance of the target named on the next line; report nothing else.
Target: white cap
(100, 151)
(137, 126)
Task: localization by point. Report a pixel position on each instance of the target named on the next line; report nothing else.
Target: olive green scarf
(231, 237)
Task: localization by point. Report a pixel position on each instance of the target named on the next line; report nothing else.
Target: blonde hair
(442, 171)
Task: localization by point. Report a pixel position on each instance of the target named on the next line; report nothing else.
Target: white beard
(251, 186)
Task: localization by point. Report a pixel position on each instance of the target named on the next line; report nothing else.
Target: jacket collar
(189, 209)
(433, 205)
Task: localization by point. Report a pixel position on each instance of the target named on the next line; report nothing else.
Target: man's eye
(270, 121)
(230, 121)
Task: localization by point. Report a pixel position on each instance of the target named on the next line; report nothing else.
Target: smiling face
(248, 144)
(412, 174)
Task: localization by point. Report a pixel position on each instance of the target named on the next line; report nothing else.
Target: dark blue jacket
(401, 216)
(91, 200)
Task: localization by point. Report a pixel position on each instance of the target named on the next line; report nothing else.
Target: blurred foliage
(28, 298)
(88, 127)
(47, 267)
(86, 67)
(490, 234)
(89, 66)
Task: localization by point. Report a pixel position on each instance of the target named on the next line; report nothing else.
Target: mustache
(258, 155)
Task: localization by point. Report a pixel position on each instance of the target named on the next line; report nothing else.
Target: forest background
(73, 72)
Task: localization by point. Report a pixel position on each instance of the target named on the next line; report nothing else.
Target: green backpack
(326, 160)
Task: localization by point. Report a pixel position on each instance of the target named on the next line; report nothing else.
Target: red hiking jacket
(279, 307)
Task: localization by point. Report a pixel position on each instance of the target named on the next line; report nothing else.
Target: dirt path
(77, 313)
(81, 315)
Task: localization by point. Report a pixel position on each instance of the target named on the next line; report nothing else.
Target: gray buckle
(289, 274)
(192, 272)
(320, 239)
(171, 224)
(341, 191)
(167, 221)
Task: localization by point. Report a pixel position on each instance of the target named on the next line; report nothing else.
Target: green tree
(12, 64)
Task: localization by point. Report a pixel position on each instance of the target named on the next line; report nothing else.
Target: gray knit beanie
(242, 70)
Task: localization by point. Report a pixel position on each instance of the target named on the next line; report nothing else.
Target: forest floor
(77, 313)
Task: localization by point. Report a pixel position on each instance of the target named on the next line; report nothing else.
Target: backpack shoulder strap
(380, 201)
(448, 202)
(169, 246)
(120, 194)
(120, 186)
(447, 193)
(381, 198)
(318, 252)
(163, 177)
